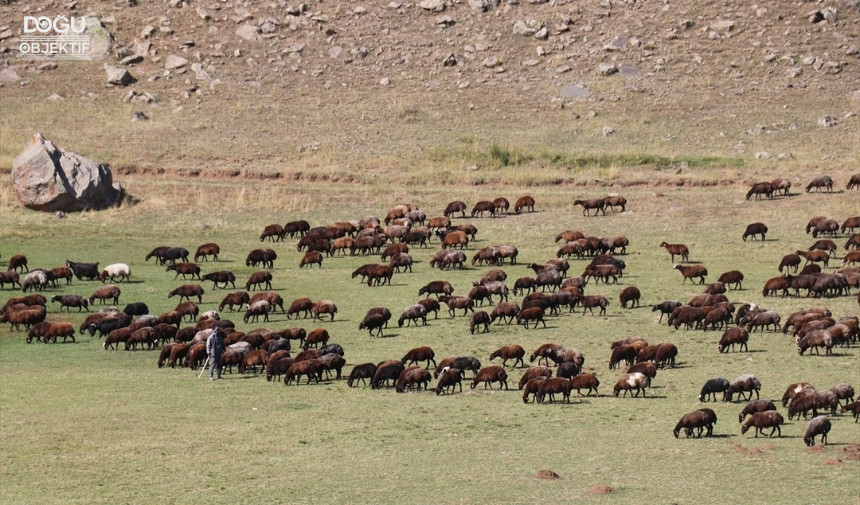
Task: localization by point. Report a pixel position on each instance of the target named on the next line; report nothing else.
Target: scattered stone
(547, 474)
(131, 60)
(48, 179)
(136, 97)
(445, 21)
(483, 5)
(608, 130)
(118, 76)
(173, 62)
(55, 96)
(9, 75)
(601, 490)
(491, 62)
(385, 81)
(607, 69)
(432, 5)
(827, 121)
(147, 32)
(203, 13)
(827, 67)
(784, 156)
(5, 34)
(139, 115)
(100, 38)
(449, 61)
(763, 155)
(48, 65)
(248, 32)
(616, 44)
(722, 26)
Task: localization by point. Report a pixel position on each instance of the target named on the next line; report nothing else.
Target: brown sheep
(206, 250)
(615, 201)
(484, 206)
(702, 419)
(412, 377)
(69, 301)
(186, 291)
(185, 269)
(626, 353)
(590, 301)
(814, 340)
(692, 272)
(531, 387)
(65, 330)
(817, 426)
(630, 294)
(677, 250)
(732, 278)
(755, 406)
(532, 373)
(299, 305)
(513, 351)
(479, 318)
(458, 302)
(252, 359)
(386, 371)
(734, 335)
(585, 380)
(553, 386)
(324, 307)
(315, 337)
(502, 205)
(632, 382)
(598, 204)
(455, 239)
(311, 368)
(18, 261)
(505, 312)
(546, 352)
(419, 354)
(535, 314)
(259, 279)
(109, 292)
(761, 188)
(820, 181)
(373, 322)
(490, 374)
(569, 236)
(766, 419)
(793, 390)
(523, 203)
(449, 380)
(361, 373)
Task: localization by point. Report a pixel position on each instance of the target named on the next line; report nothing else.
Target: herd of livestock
(551, 290)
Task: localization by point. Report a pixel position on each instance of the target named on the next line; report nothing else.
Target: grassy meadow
(79, 424)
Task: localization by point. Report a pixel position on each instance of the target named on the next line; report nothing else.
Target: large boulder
(49, 179)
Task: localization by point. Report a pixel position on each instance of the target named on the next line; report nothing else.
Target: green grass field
(79, 424)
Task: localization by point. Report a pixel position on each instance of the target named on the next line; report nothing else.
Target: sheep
(781, 184)
(37, 331)
(853, 407)
(523, 203)
(373, 322)
(820, 181)
(221, 277)
(477, 319)
(763, 319)
(501, 204)
(311, 368)
(36, 280)
(412, 377)
(532, 387)
(186, 291)
(590, 301)
(484, 206)
(84, 270)
(278, 364)
(712, 387)
(315, 337)
(449, 380)
(598, 204)
(746, 383)
(386, 371)
(755, 406)
(691, 272)
(9, 277)
(553, 386)
(239, 298)
(273, 232)
(646, 368)
(803, 402)
(513, 351)
(106, 293)
(732, 278)
(65, 330)
(361, 373)
(677, 250)
(206, 250)
(850, 224)
(401, 260)
(264, 257)
(826, 400)
(140, 337)
(615, 201)
(735, 335)
(604, 272)
(115, 270)
(819, 425)
(630, 382)
(505, 312)
(455, 238)
(18, 261)
(527, 315)
(532, 373)
(300, 305)
(490, 374)
(413, 356)
(775, 285)
(793, 390)
(666, 308)
(257, 309)
(115, 337)
(548, 277)
(188, 308)
(815, 339)
(489, 255)
(701, 420)
(458, 302)
(379, 275)
(766, 419)
(630, 294)
(454, 207)
(825, 227)
(761, 188)
(71, 301)
(844, 391)
(545, 352)
(324, 307)
(626, 353)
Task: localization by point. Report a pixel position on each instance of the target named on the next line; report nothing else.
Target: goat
(490, 374)
(692, 272)
(677, 250)
(701, 420)
(513, 351)
(817, 426)
(820, 181)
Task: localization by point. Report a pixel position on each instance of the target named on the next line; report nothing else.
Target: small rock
(248, 32)
(607, 69)
(827, 121)
(203, 13)
(9, 75)
(118, 76)
(608, 130)
(385, 81)
(433, 5)
(547, 474)
(139, 115)
(147, 32)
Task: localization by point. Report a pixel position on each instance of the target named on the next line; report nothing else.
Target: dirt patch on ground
(852, 452)
(834, 461)
(601, 490)
(547, 475)
(752, 451)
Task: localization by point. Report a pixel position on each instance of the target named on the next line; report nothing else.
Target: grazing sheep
(505, 312)
(775, 285)
(478, 319)
(553, 386)
(386, 371)
(454, 207)
(186, 291)
(490, 374)
(115, 270)
(484, 206)
(790, 261)
(18, 261)
(373, 322)
(755, 406)
(458, 302)
(412, 378)
(712, 387)
(844, 391)
(854, 408)
(239, 298)
(299, 305)
(825, 227)
(534, 372)
(324, 307)
(626, 353)
(692, 272)
(527, 315)
(36, 280)
(630, 382)
(206, 250)
(257, 309)
(646, 368)
(311, 368)
(65, 330)
(734, 335)
(817, 426)
(761, 319)
(316, 337)
(701, 420)
(819, 182)
(630, 294)
(525, 202)
(221, 277)
(258, 279)
(263, 257)
(615, 201)
(9, 277)
(793, 390)
(419, 354)
(766, 419)
(449, 380)
(513, 351)
(762, 188)
(71, 301)
(531, 387)
(361, 373)
(746, 383)
(590, 301)
(815, 339)
(732, 278)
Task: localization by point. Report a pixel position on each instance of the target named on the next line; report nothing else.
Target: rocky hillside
(272, 80)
